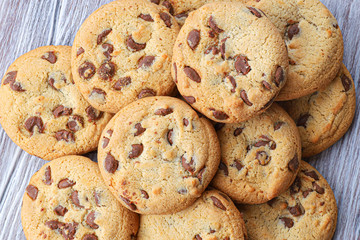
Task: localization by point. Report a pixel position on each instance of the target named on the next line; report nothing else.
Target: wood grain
(28, 24)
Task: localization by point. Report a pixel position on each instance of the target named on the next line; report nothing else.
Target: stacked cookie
(157, 156)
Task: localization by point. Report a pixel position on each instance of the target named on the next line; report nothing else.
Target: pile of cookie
(197, 148)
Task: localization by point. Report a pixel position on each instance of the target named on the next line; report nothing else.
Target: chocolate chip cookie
(122, 52)
(157, 156)
(229, 62)
(259, 158)
(314, 42)
(42, 110)
(213, 216)
(324, 116)
(306, 211)
(68, 199)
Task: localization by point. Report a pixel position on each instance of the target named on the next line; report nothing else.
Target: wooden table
(28, 24)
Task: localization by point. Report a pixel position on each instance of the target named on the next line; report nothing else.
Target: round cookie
(314, 42)
(324, 117)
(157, 156)
(259, 158)
(306, 211)
(212, 216)
(229, 61)
(123, 52)
(68, 199)
(42, 110)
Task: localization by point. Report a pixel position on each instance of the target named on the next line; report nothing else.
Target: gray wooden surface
(28, 24)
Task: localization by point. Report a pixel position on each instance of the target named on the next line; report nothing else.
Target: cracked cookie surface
(157, 156)
(68, 199)
(307, 210)
(42, 110)
(324, 116)
(122, 52)
(229, 62)
(259, 158)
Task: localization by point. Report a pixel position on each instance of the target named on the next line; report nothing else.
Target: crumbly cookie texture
(68, 199)
(212, 216)
(122, 52)
(314, 42)
(324, 116)
(229, 62)
(306, 211)
(157, 156)
(42, 110)
(260, 158)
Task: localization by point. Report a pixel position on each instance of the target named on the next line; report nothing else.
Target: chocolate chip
(10, 77)
(80, 51)
(65, 183)
(307, 192)
(188, 166)
(131, 205)
(103, 35)
(197, 237)
(200, 174)
(146, 17)
(238, 131)
(293, 30)
(266, 85)
(237, 165)
(295, 187)
(263, 158)
(186, 122)
(288, 222)
(90, 218)
(346, 82)
(134, 46)
(224, 168)
(144, 194)
(107, 70)
(293, 165)
(32, 192)
(317, 188)
(60, 210)
(48, 180)
(168, 5)
(155, 1)
(169, 136)
(245, 98)
(175, 72)
(193, 38)
(139, 129)
(312, 174)
(122, 82)
(264, 142)
(54, 224)
(297, 210)
(50, 57)
(62, 111)
(97, 199)
(93, 114)
(278, 125)
(146, 93)
(65, 135)
(75, 122)
(242, 65)
(75, 199)
(89, 237)
(146, 61)
(302, 120)
(31, 122)
(110, 163)
(189, 99)
(109, 49)
(163, 111)
(16, 86)
(51, 82)
(233, 83)
(217, 203)
(222, 48)
(220, 115)
(255, 12)
(181, 15)
(219, 126)
(166, 18)
(279, 76)
(214, 26)
(68, 230)
(87, 70)
(136, 151)
(192, 74)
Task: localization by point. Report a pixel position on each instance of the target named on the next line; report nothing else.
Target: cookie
(324, 116)
(122, 52)
(229, 61)
(213, 216)
(42, 110)
(314, 42)
(306, 211)
(68, 199)
(157, 156)
(259, 158)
